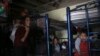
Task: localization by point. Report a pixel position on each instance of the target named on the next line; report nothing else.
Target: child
(81, 45)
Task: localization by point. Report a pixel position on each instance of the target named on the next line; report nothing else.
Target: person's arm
(77, 45)
(26, 34)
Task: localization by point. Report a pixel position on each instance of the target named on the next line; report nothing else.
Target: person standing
(56, 47)
(81, 45)
(21, 36)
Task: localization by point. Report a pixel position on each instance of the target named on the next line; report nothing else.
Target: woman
(81, 45)
(56, 47)
(21, 35)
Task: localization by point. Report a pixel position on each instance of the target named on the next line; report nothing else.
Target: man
(16, 23)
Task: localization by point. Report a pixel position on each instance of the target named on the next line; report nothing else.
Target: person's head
(24, 12)
(25, 21)
(83, 35)
(55, 40)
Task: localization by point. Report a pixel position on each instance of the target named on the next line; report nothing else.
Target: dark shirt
(20, 32)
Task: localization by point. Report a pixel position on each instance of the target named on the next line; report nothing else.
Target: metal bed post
(87, 23)
(70, 35)
(47, 33)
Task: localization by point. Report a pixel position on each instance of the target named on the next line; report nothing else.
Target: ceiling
(35, 5)
(56, 9)
(45, 5)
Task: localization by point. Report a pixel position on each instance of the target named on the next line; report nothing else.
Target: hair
(83, 32)
(55, 38)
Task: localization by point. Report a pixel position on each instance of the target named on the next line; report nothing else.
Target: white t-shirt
(57, 48)
(77, 44)
(12, 36)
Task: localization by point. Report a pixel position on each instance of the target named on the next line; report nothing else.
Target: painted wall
(62, 34)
